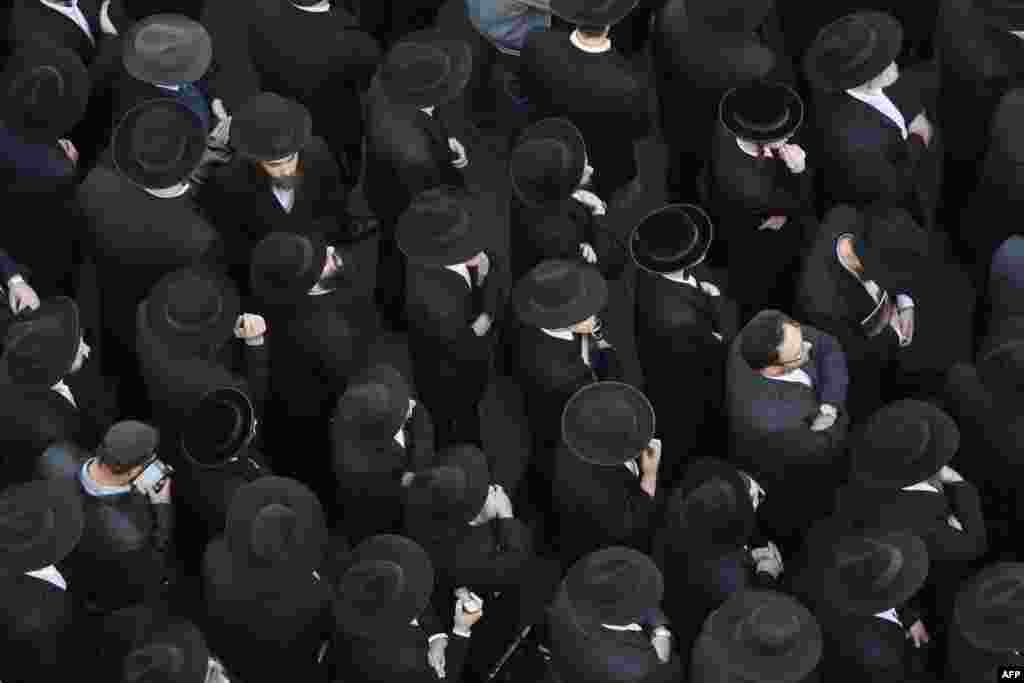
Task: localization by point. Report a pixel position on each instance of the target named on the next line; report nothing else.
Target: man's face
(794, 351)
(280, 170)
(83, 353)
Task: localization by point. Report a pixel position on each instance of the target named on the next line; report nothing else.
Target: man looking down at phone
(124, 556)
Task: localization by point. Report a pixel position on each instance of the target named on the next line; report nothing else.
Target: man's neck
(591, 44)
(101, 476)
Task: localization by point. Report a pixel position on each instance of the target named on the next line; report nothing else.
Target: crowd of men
(218, 213)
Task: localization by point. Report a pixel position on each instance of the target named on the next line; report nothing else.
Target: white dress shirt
(286, 198)
(462, 270)
(323, 6)
(627, 627)
(50, 575)
(65, 391)
(74, 14)
(106, 25)
(798, 375)
(566, 334)
(400, 435)
(881, 102)
(891, 615)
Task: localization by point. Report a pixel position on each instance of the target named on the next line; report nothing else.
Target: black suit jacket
(31, 20)
(868, 649)
(401, 657)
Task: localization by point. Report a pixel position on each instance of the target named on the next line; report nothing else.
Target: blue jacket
(506, 23)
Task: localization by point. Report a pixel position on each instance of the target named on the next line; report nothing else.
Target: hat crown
(223, 422)
(38, 88)
(155, 663)
(610, 581)
(167, 42)
(538, 165)
(274, 533)
(372, 583)
(870, 565)
(34, 348)
(848, 43)
(1002, 600)
(769, 630)
(157, 143)
(669, 236)
(715, 499)
(21, 529)
(418, 66)
(762, 107)
(193, 303)
(558, 283)
(613, 417)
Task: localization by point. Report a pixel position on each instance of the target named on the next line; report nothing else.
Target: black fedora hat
(192, 308)
(178, 654)
(548, 161)
(1001, 367)
(764, 636)
(593, 12)
(607, 423)
(46, 91)
(276, 523)
(729, 16)
(556, 294)
(712, 505)
(866, 575)
(167, 48)
(450, 495)
(40, 350)
(673, 238)
(268, 127)
(614, 586)
(903, 443)
(761, 112)
(852, 50)
(989, 609)
(158, 143)
(425, 69)
(388, 584)
(1004, 14)
(437, 229)
(219, 427)
(284, 266)
(41, 522)
(374, 405)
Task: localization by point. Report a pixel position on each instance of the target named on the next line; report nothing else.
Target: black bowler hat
(386, 586)
(219, 428)
(548, 161)
(615, 586)
(607, 423)
(374, 406)
(852, 50)
(989, 609)
(45, 92)
(764, 637)
(192, 308)
(556, 294)
(762, 112)
(673, 238)
(450, 495)
(178, 654)
(284, 266)
(903, 443)
(268, 127)
(712, 505)
(40, 350)
(593, 12)
(425, 69)
(870, 574)
(1001, 366)
(1005, 14)
(41, 522)
(158, 143)
(167, 49)
(438, 228)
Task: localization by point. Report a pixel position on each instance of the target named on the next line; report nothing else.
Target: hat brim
(398, 407)
(253, 497)
(254, 148)
(71, 110)
(215, 334)
(601, 451)
(576, 12)
(980, 632)
(909, 580)
(69, 320)
(568, 134)
(419, 247)
(203, 456)
(734, 121)
(297, 292)
(650, 589)
(943, 444)
(460, 56)
(889, 42)
(642, 256)
(138, 67)
(590, 300)
(702, 471)
(791, 667)
(68, 520)
(124, 158)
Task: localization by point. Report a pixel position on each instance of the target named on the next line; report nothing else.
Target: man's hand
(588, 253)
(483, 265)
(918, 633)
(464, 620)
(69, 149)
(461, 160)
(824, 420)
(21, 296)
(407, 478)
(163, 496)
(502, 503)
(222, 131)
(768, 559)
(794, 157)
(650, 459)
(662, 643)
(590, 200)
(251, 328)
(435, 655)
(482, 324)
(710, 289)
(947, 475)
(773, 223)
(905, 320)
(921, 127)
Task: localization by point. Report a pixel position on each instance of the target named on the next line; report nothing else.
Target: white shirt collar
(285, 197)
(575, 39)
(799, 376)
(757, 494)
(106, 25)
(169, 192)
(890, 615)
(462, 270)
(564, 333)
(50, 575)
(75, 14)
(172, 88)
(65, 391)
(1019, 34)
(881, 103)
(627, 627)
(323, 6)
(400, 435)
(632, 467)
(429, 111)
(680, 278)
(921, 486)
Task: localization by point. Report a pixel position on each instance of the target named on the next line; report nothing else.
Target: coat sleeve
(727, 317)
(421, 452)
(861, 155)
(632, 516)
(971, 542)
(500, 564)
(832, 371)
(8, 267)
(495, 286)
(257, 373)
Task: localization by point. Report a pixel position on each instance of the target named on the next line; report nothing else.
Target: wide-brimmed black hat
(158, 143)
(989, 609)
(268, 127)
(673, 238)
(373, 407)
(451, 494)
(729, 16)
(593, 12)
(615, 586)
(167, 48)
(425, 69)
(40, 350)
(387, 584)
(712, 505)
(45, 92)
(607, 423)
(852, 50)
(438, 228)
(903, 443)
(870, 574)
(765, 637)
(284, 266)
(178, 654)
(548, 161)
(276, 523)
(219, 428)
(556, 294)
(1005, 14)
(41, 522)
(1001, 367)
(193, 308)
(761, 112)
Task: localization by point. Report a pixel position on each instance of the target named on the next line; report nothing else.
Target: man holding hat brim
(877, 146)
(606, 623)
(456, 286)
(605, 485)
(760, 192)
(987, 623)
(582, 78)
(262, 578)
(682, 321)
